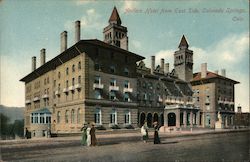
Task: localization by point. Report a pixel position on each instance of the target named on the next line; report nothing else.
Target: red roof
(183, 42)
(115, 17)
(197, 77)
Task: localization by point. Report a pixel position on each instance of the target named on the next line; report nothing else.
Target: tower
(116, 34)
(183, 61)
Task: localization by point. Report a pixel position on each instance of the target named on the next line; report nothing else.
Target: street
(208, 147)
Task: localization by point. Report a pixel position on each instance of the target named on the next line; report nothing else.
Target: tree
(4, 124)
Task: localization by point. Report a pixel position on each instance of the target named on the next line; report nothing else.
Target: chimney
(216, 72)
(223, 72)
(33, 65)
(203, 70)
(162, 65)
(152, 64)
(124, 43)
(166, 68)
(63, 41)
(77, 31)
(42, 56)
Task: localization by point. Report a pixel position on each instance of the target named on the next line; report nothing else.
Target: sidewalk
(111, 137)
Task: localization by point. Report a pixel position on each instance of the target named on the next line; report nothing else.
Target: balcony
(57, 93)
(130, 90)
(113, 88)
(71, 88)
(160, 99)
(77, 86)
(65, 90)
(36, 99)
(220, 101)
(45, 96)
(231, 103)
(27, 101)
(98, 86)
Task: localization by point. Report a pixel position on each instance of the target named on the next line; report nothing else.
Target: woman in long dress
(88, 136)
(84, 135)
(92, 134)
(144, 132)
(156, 134)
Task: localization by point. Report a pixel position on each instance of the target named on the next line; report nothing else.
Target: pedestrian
(144, 132)
(92, 134)
(84, 134)
(88, 141)
(156, 134)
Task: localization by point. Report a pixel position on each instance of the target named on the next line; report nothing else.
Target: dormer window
(112, 69)
(97, 66)
(126, 71)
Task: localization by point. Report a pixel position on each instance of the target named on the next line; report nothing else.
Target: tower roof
(115, 18)
(183, 42)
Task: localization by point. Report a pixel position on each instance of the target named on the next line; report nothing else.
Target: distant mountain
(14, 113)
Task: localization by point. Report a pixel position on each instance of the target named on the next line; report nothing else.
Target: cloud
(91, 22)
(128, 4)
(230, 53)
(84, 2)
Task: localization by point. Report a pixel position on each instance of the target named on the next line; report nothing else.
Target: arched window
(98, 116)
(79, 65)
(72, 116)
(112, 95)
(113, 117)
(78, 115)
(97, 94)
(127, 117)
(59, 75)
(73, 68)
(73, 81)
(67, 71)
(58, 117)
(67, 116)
(126, 97)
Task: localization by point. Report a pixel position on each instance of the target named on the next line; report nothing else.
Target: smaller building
(214, 94)
(242, 119)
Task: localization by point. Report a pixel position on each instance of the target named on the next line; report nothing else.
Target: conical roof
(183, 42)
(115, 18)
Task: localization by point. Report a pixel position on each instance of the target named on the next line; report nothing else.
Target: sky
(217, 32)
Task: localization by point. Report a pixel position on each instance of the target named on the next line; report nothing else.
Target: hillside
(14, 113)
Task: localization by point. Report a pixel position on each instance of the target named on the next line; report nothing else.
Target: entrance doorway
(142, 118)
(171, 119)
(149, 119)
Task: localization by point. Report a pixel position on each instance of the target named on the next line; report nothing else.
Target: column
(166, 118)
(191, 119)
(198, 118)
(185, 118)
(178, 119)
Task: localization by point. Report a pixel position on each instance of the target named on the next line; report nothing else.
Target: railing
(127, 90)
(78, 86)
(36, 99)
(57, 92)
(45, 96)
(27, 101)
(65, 90)
(113, 88)
(98, 86)
(71, 88)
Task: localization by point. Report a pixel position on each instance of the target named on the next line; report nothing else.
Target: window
(79, 79)
(113, 82)
(97, 66)
(67, 116)
(144, 84)
(78, 115)
(98, 118)
(73, 81)
(48, 80)
(72, 116)
(67, 83)
(59, 75)
(126, 71)
(73, 68)
(127, 117)
(113, 116)
(198, 99)
(112, 69)
(45, 81)
(58, 116)
(42, 118)
(79, 65)
(150, 85)
(126, 84)
(67, 71)
(112, 95)
(97, 80)
(145, 97)
(54, 83)
(59, 87)
(97, 94)
(126, 97)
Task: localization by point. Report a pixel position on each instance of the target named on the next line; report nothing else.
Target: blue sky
(218, 34)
